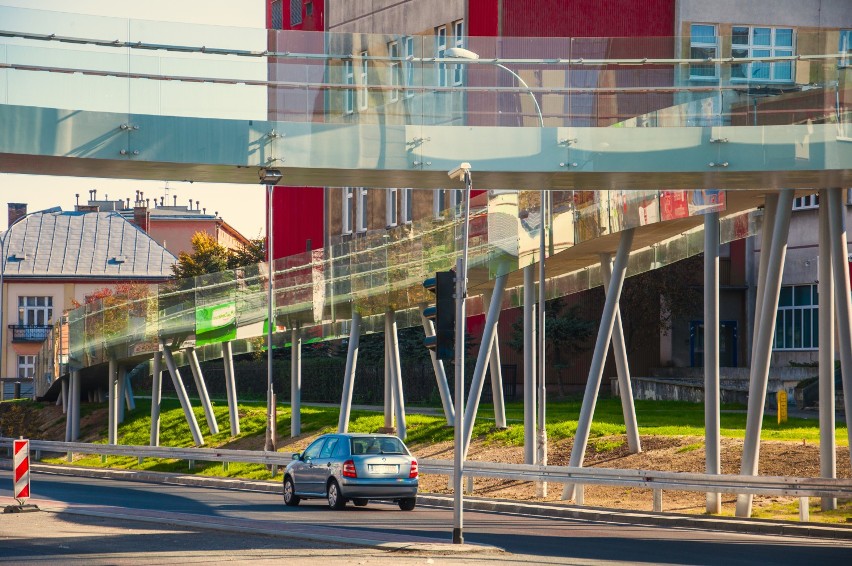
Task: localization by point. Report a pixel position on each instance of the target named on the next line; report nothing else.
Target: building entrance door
(727, 343)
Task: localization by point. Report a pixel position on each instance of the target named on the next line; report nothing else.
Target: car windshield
(377, 445)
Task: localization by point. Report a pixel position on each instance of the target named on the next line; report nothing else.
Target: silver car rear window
(377, 445)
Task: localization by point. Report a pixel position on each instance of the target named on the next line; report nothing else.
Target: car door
(309, 478)
(326, 462)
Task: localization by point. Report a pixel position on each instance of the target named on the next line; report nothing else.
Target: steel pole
(827, 444)
(530, 440)
(388, 384)
(712, 443)
(541, 352)
(231, 388)
(496, 371)
(156, 397)
(440, 373)
(180, 390)
(270, 312)
(111, 408)
(201, 387)
(396, 372)
(349, 375)
(295, 383)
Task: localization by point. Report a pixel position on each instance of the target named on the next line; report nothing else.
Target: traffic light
(443, 313)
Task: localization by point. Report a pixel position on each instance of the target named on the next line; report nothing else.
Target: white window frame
(391, 210)
(796, 314)
(806, 202)
(440, 52)
(845, 47)
(406, 206)
(35, 310)
(695, 43)
(458, 41)
(393, 70)
(361, 219)
(348, 210)
(363, 95)
(27, 364)
(408, 67)
(439, 203)
(753, 50)
(349, 82)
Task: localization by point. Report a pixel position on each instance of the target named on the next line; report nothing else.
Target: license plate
(384, 468)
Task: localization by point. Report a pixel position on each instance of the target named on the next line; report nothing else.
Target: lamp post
(466, 54)
(270, 178)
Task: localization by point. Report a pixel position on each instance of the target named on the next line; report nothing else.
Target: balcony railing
(27, 333)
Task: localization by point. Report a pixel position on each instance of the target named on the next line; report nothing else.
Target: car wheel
(408, 503)
(290, 497)
(359, 502)
(335, 499)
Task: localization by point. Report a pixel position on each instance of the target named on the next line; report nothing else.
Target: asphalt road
(538, 539)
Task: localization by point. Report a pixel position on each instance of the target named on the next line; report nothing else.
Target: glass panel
(789, 328)
(762, 36)
(739, 36)
(784, 37)
(701, 33)
(807, 339)
(815, 327)
(785, 298)
(779, 331)
(802, 295)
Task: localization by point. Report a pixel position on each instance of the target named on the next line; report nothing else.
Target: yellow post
(782, 406)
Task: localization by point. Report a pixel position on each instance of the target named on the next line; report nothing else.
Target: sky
(40, 192)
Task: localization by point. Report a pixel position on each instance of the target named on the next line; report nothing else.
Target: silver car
(357, 467)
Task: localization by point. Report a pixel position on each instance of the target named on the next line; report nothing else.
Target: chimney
(17, 210)
(142, 217)
(175, 201)
(77, 196)
(128, 202)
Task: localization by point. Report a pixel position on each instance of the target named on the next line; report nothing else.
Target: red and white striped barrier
(21, 449)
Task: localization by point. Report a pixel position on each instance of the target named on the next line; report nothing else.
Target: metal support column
(827, 445)
(231, 388)
(120, 395)
(75, 406)
(440, 373)
(64, 396)
(396, 372)
(296, 382)
(496, 370)
(112, 413)
(759, 376)
(530, 440)
(388, 406)
(128, 393)
(349, 375)
(66, 386)
(180, 390)
(201, 387)
(156, 396)
(619, 350)
(587, 411)
(843, 297)
(485, 347)
(712, 446)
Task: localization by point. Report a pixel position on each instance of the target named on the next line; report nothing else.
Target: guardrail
(657, 481)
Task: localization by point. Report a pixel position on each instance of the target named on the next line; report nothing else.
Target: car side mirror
(297, 456)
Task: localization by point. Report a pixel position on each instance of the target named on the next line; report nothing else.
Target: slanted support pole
(712, 445)
(64, 395)
(156, 397)
(129, 401)
(843, 304)
(485, 348)
(68, 416)
(349, 376)
(75, 406)
(619, 350)
(496, 371)
(388, 406)
(759, 376)
(231, 388)
(112, 389)
(201, 386)
(181, 394)
(827, 445)
(120, 395)
(440, 373)
(530, 440)
(396, 373)
(587, 411)
(296, 382)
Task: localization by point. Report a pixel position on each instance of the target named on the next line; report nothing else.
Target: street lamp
(269, 177)
(466, 54)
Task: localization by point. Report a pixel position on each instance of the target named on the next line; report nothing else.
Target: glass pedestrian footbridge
(624, 134)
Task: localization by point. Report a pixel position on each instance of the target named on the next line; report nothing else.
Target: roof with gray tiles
(92, 245)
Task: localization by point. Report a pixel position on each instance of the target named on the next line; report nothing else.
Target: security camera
(458, 172)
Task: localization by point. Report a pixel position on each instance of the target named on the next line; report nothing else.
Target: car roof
(361, 435)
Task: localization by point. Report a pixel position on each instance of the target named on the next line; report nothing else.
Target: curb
(676, 520)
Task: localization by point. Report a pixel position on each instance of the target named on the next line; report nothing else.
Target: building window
(458, 41)
(295, 12)
(440, 52)
(309, 9)
(751, 42)
(35, 311)
(348, 210)
(363, 99)
(439, 203)
(805, 202)
(846, 47)
(348, 93)
(361, 209)
(26, 366)
(407, 206)
(703, 44)
(408, 50)
(392, 213)
(393, 70)
(277, 15)
(797, 325)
